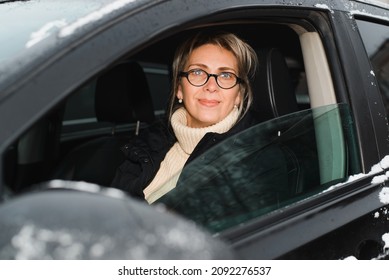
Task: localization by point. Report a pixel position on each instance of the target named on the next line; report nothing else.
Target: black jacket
(146, 152)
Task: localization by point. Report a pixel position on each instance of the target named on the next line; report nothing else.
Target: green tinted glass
(266, 167)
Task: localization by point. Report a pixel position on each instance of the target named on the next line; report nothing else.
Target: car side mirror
(78, 220)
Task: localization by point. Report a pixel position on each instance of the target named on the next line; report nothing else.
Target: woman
(210, 101)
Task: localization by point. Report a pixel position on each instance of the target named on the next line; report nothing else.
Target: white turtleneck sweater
(187, 139)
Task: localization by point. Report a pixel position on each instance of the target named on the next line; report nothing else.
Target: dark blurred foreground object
(69, 220)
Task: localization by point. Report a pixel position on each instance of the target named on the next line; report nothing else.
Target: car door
(350, 219)
(334, 82)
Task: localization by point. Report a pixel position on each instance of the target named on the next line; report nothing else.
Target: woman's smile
(209, 102)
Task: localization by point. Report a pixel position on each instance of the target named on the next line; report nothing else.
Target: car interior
(81, 138)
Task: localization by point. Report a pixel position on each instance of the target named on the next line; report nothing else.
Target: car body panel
(317, 220)
(73, 42)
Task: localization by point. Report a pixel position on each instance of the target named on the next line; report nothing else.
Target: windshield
(266, 167)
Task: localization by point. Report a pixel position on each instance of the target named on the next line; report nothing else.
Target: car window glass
(266, 167)
(375, 37)
(80, 107)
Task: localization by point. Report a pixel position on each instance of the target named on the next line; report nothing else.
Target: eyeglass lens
(199, 77)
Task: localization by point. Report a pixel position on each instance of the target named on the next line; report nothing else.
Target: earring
(180, 101)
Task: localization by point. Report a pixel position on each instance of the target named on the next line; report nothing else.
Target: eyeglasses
(199, 77)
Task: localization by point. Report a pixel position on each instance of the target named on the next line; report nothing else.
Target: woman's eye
(226, 75)
(198, 72)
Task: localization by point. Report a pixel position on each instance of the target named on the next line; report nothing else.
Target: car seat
(274, 97)
(121, 97)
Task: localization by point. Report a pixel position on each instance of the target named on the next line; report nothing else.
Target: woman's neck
(189, 137)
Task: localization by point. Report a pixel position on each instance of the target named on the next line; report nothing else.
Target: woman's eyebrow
(223, 68)
(198, 65)
(227, 68)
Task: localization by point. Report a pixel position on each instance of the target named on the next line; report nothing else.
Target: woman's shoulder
(249, 119)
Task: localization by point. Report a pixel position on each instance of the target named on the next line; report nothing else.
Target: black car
(80, 78)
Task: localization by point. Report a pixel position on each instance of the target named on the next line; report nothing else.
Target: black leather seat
(122, 97)
(274, 97)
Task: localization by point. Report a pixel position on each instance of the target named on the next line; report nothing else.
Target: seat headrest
(123, 96)
(274, 95)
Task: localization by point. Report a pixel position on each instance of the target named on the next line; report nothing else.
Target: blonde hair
(244, 53)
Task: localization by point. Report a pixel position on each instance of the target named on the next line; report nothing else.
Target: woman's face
(209, 104)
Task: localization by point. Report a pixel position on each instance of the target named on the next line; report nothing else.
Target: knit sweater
(187, 139)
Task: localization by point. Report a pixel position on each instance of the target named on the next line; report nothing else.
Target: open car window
(273, 164)
(266, 167)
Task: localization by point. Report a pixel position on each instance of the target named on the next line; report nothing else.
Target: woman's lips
(208, 103)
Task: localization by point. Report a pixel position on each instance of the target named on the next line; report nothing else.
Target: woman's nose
(211, 84)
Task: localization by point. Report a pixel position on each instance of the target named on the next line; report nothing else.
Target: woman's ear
(179, 93)
(238, 99)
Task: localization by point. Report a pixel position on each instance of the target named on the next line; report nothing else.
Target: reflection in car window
(266, 167)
